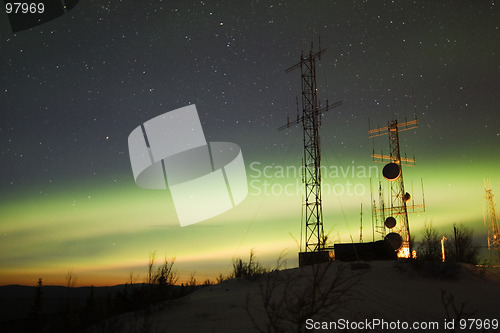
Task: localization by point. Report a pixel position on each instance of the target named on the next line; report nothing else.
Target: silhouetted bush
(429, 248)
(249, 269)
(462, 247)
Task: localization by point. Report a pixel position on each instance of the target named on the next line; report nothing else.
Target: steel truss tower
(397, 210)
(491, 223)
(311, 122)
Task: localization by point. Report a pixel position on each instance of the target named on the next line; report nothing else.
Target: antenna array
(394, 217)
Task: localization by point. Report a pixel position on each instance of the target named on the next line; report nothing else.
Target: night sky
(74, 88)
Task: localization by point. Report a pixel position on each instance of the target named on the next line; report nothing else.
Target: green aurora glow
(103, 235)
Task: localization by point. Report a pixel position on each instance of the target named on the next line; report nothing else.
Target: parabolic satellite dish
(391, 171)
(390, 222)
(394, 239)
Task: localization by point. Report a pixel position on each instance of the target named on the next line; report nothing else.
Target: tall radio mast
(311, 123)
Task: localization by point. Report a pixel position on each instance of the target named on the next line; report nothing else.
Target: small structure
(379, 250)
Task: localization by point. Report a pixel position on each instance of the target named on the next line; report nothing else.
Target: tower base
(311, 258)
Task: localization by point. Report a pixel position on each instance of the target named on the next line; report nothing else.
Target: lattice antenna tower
(394, 216)
(491, 223)
(311, 122)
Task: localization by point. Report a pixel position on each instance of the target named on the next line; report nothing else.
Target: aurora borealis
(74, 88)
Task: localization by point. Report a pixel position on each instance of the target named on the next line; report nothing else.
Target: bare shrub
(463, 248)
(164, 274)
(429, 248)
(454, 312)
(249, 269)
(286, 299)
(221, 278)
(192, 280)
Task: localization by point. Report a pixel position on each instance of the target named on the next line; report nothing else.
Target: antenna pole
(361, 225)
(373, 210)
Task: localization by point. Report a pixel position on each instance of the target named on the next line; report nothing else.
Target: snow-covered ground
(363, 293)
